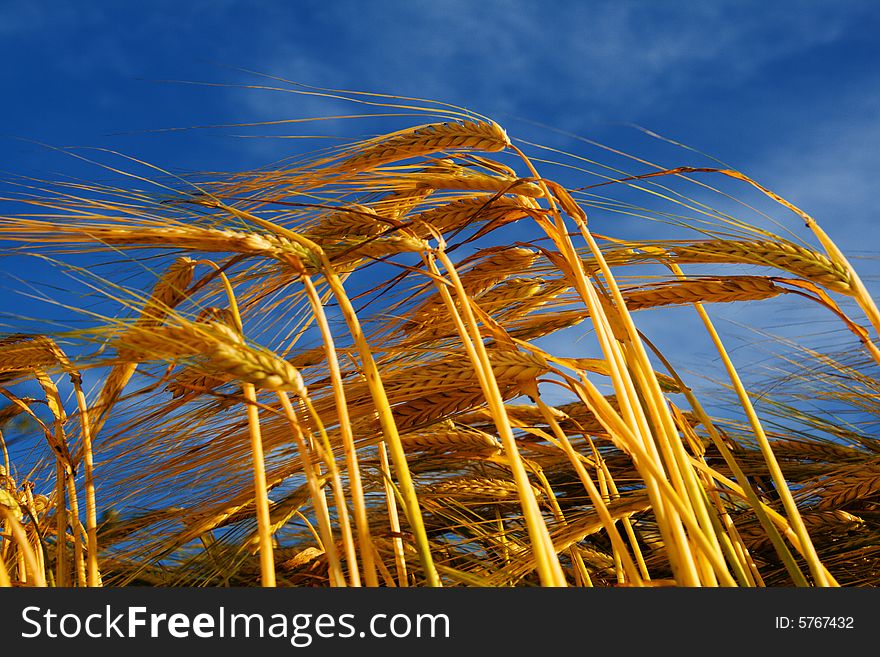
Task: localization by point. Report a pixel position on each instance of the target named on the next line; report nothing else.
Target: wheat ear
(793, 258)
(424, 140)
(702, 290)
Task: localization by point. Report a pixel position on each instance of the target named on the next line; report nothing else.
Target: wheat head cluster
(351, 369)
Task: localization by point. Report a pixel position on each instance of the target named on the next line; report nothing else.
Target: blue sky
(788, 92)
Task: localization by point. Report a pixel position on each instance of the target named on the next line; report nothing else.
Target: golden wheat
(425, 140)
(353, 220)
(850, 484)
(447, 437)
(612, 485)
(483, 208)
(790, 257)
(26, 352)
(477, 488)
(702, 290)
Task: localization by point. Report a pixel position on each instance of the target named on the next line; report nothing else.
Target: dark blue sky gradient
(756, 84)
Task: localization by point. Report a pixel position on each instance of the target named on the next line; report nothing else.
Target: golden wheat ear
(425, 140)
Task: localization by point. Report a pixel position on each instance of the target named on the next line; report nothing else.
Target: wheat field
(351, 369)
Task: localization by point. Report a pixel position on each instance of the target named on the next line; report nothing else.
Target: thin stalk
(627, 524)
(580, 569)
(312, 531)
(730, 544)
(319, 500)
(502, 538)
(393, 517)
(785, 496)
(389, 430)
(624, 439)
(61, 573)
(325, 450)
(27, 553)
(778, 519)
(549, 569)
(261, 493)
(680, 556)
(20, 561)
(76, 531)
(755, 503)
(94, 575)
(387, 577)
(687, 483)
(599, 505)
(39, 552)
(6, 465)
(377, 390)
(4, 575)
(664, 428)
(354, 475)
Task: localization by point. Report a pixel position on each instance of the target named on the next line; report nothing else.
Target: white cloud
(606, 56)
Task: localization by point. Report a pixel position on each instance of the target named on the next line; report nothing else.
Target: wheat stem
(623, 436)
(319, 500)
(549, 568)
(599, 505)
(731, 462)
(669, 523)
(326, 452)
(377, 391)
(27, 554)
(4, 575)
(94, 576)
(61, 574)
(261, 494)
(354, 477)
(393, 517)
(818, 572)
